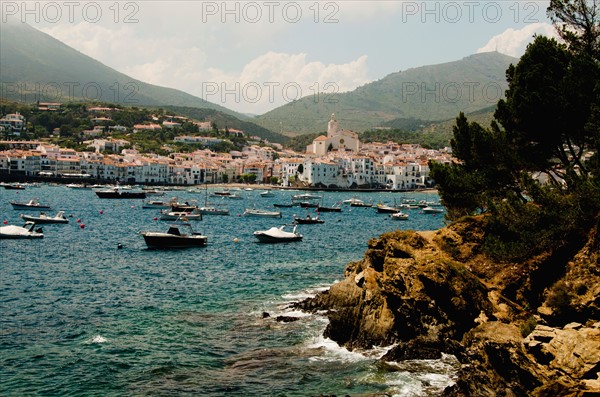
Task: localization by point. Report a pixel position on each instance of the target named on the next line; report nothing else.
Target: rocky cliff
(518, 329)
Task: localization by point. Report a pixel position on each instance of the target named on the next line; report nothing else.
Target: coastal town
(337, 160)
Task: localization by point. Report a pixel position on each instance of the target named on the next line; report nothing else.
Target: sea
(90, 311)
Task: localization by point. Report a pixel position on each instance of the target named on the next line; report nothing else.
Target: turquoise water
(80, 317)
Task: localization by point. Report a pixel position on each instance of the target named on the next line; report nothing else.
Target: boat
(32, 204)
(21, 232)
(161, 204)
(353, 200)
(387, 209)
(336, 208)
(154, 192)
(267, 193)
(308, 220)
(408, 206)
(120, 193)
(43, 218)
(306, 196)
(184, 207)
(399, 216)
(78, 186)
(360, 203)
(259, 212)
(223, 193)
(277, 235)
(432, 210)
(179, 235)
(13, 186)
(234, 196)
(175, 215)
(213, 211)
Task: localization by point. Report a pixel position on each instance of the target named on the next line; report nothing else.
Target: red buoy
(82, 226)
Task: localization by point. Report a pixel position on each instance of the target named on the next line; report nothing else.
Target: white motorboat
(78, 186)
(213, 211)
(43, 218)
(21, 232)
(33, 204)
(234, 196)
(179, 235)
(399, 216)
(353, 200)
(387, 209)
(277, 235)
(432, 210)
(267, 193)
(306, 196)
(160, 203)
(265, 213)
(175, 215)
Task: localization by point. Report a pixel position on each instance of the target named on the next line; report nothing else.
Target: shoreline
(8, 178)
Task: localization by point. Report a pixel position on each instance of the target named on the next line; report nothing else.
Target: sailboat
(211, 210)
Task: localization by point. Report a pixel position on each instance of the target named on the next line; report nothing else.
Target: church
(336, 139)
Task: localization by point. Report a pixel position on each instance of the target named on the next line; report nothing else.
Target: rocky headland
(530, 328)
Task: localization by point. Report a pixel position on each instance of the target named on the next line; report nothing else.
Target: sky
(253, 56)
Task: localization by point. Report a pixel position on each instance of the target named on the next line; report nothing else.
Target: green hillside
(224, 120)
(436, 92)
(34, 65)
(433, 134)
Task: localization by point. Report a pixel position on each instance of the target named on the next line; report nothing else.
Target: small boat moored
(267, 193)
(213, 211)
(399, 216)
(335, 208)
(160, 203)
(308, 220)
(179, 235)
(43, 218)
(119, 193)
(21, 232)
(277, 235)
(33, 204)
(167, 215)
(265, 213)
(432, 210)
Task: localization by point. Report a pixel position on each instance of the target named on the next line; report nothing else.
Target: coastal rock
(496, 364)
(403, 288)
(518, 329)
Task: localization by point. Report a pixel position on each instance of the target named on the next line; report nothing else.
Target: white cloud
(514, 41)
(273, 79)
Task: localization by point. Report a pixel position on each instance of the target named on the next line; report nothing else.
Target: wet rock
(286, 319)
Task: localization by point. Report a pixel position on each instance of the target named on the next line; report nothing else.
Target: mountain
(429, 93)
(34, 65)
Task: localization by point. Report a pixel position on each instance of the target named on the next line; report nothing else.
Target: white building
(336, 139)
(13, 123)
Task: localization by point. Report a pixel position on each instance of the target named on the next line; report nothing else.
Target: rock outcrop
(507, 323)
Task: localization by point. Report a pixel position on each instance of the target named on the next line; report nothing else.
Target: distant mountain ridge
(434, 92)
(36, 66)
